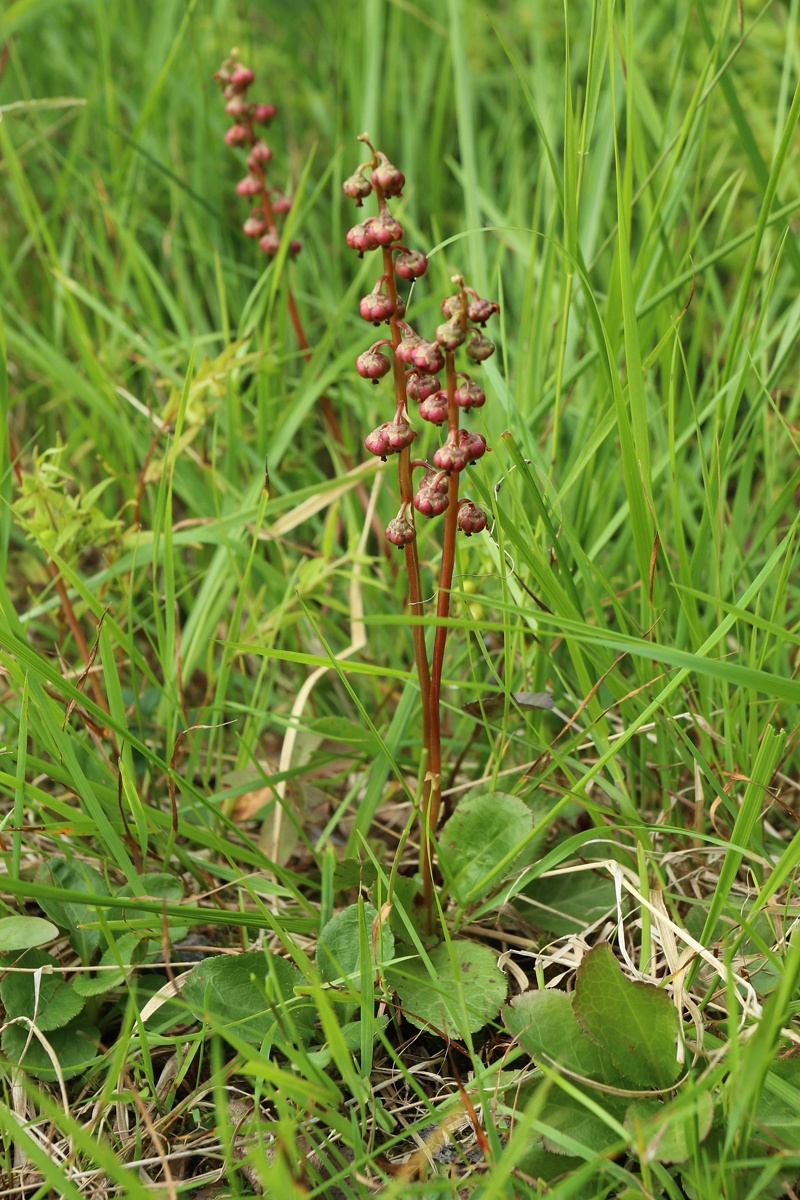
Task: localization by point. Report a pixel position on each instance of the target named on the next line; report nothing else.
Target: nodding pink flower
(450, 335)
(263, 113)
(473, 444)
(237, 135)
(469, 394)
(400, 531)
(240, 78)
(410, 264)
(428, 357)
(429, 501)
(479, 310)
(419, 386)
(388, 178)
(295, 247)
(373, 365)
(249, 186)
(236, 107)
(260, 154)
(390, 438)
(377, 306)
(471, 519)
(451, 306)
(255, 225)
(437, 481)
(357, 188)
(359, 238)
(408, 345)
(479, 347)
(270, 243)
(400, 434)
(434, 408)
(450, 457)
(385, 229)
(377, 442)
(281, 203)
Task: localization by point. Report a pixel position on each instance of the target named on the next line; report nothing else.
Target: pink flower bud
(357, 188)
(408, 345)
(271, 242)
(436, 481)
(434, 408)
(429, 502)
(237, 107)
(377, 442)
(281, 203)
(473, 444)
(295, 247)
(373, 365)
(249, 186)
(260, 154)
(451, 306)
(450, 335)
(450, 457)
(376, 307)
(388, 179)
(410, 264)
(359, 238)
(400, 307)
(479, 310)
(384, 229)
(479, 347)
(237, 135)
(254, 226)
(263, 113)
(471, 519)
(420, 387)
(469, 394)
(428, 357)
(241, 78)
(400, 434)
(400, 531)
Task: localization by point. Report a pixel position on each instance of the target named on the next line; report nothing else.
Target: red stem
(434, 798)
(406, 488)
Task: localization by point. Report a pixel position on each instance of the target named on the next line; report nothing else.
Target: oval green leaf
(20, 933)
(544, 1024)
(338, 953)
(48, 998)
(462, 993)
(637, 1023)
(246, 994)
(481, 844)
(75, 1048)
(127, 950)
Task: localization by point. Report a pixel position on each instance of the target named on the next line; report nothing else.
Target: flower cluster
(268, 202)
(415, 361)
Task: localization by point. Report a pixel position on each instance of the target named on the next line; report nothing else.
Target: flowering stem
(406, 498)
(433, 798)
(270, 203)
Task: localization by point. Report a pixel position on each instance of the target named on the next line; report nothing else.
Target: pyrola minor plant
(269, 203)
(415, 365)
